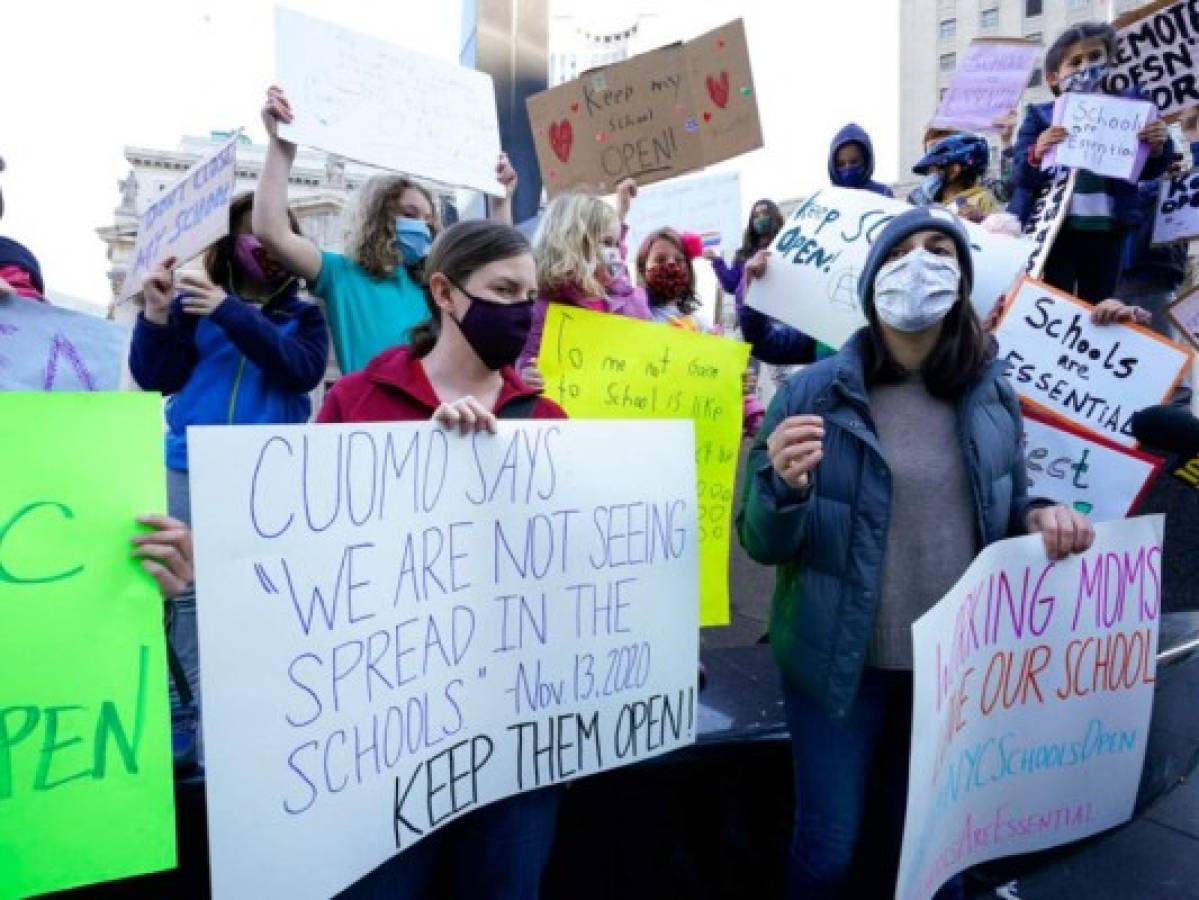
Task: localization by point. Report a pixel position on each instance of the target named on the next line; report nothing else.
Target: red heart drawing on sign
(562, 135)
(574, 107)
(719, 90)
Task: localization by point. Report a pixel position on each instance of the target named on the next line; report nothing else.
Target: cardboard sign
(811, 280)
(186, 219)
(45, 348)
(1184, 313)
(709, 205)
(86, 776)
(598, 366)
(395, 620)
(1103, 135)
(987, 84)
(1083, 471)
(1050, 211)
(1155, 51)
(1033, 686)
(374, 102)
(659, 114)
(1177, 217)
(1094, 375)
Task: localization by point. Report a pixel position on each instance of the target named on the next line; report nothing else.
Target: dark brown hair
(689, 302)
(218, 259)
(1076, 34)
(751, 243)
(957, 360)
(457, 253)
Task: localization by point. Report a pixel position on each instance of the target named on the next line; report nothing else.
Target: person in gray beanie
(877, 477)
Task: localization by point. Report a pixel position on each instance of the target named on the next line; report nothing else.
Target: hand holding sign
(1064, 530)
(166, 554)
(277, 109)
(466, 414)
(200, 296)
(157, 290)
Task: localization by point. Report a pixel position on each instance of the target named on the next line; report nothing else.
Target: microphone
(1174, 431)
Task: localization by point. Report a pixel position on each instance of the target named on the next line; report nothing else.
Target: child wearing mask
(20, 273)
(1086, 256)
(580, 262)
(233, 345)
(664, 269)
(851, 161)
(372, 293)
(953, 171)
(765, 222)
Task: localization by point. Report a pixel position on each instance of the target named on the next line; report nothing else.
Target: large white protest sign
(186, 219)
(1155, 52)
(1049, 212)
(1032, 691)
(1084, 471)
(1102, 134)
(709, 205)
(1177, 217)
(811, 280)
(43, 348)
(1184, 313)
(1094, 375)
(387, 106)
(400, 624)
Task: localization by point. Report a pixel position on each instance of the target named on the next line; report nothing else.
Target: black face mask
(495, 331)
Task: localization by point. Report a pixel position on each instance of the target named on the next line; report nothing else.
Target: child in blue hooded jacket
(851, 161)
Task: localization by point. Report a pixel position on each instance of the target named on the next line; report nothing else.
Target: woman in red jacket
(479, 283)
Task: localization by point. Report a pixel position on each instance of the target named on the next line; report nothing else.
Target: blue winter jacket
(855, 134)
(1029, 180)
(828, 543)
(244, 364)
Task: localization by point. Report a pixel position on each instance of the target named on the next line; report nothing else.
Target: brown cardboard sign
(660, 114)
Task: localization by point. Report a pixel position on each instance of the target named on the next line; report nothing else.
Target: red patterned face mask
(668, 281)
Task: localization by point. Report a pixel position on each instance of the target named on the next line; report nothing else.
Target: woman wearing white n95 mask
(877, 477)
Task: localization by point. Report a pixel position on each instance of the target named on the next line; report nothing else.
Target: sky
(84, 80)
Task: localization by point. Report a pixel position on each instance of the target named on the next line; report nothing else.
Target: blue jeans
(849, 772)
(499, 852)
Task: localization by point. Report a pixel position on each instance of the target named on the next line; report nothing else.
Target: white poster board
(186, 219)
(1177, 217)
(811, 281)
(446, 602)
(1094, 375)
(383, 105)
(44, 348)
(1155, 53)
(1083, 471)
(709, 205)
(1022, 738)
(1103, 134)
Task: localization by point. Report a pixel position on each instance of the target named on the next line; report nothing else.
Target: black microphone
(1171, 430)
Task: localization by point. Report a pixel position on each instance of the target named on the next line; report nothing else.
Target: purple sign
(987, 84)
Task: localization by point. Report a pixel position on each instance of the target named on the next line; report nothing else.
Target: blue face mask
(932, 185)
(851, 176)
(1085, 81)
(413, 238)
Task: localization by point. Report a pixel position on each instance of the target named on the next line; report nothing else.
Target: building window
(1078, 5)
(1034, 36)
(1034, 80)
(949, 62)
(989, 18)
(948, 28)
(1032, 8)
(941, 93)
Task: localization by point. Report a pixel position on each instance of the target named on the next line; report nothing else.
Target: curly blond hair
(568, 242)
(371, 236)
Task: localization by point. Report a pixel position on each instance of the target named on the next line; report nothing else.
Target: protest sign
(1084, 471)
(1049, 213)
(86, 789)
(987, 83)
(44, 348)
(1033, 686)
(811, 281)
(1155, 51)
(1094, 375)
(1184, 313)
(1177, 216)
(186, 219)
(709, 205)
(1103, 134)
(598, 366)
(400, 624)
(374, 102)
(659, 114)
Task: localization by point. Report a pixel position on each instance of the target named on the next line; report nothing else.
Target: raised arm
(294, 252)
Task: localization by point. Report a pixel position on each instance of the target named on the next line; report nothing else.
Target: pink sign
(987, 84)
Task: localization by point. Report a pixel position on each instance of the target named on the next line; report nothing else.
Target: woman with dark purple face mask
(230, 344)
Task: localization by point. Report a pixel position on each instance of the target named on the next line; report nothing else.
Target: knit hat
(902, 227)
(14, 254)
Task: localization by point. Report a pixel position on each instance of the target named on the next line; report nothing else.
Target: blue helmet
(969, 151)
